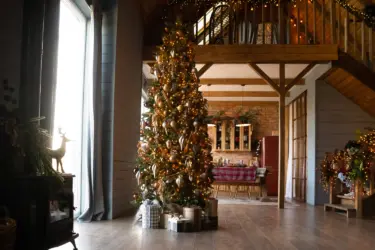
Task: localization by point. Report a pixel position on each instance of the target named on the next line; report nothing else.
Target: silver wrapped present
(150, 215)
(180, 225)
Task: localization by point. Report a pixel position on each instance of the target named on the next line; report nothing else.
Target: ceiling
(231, 90)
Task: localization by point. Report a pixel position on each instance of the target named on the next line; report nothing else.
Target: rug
(269, 201)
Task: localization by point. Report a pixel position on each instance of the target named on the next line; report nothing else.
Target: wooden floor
(240, 227)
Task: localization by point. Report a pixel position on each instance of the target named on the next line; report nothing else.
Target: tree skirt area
(267, 201)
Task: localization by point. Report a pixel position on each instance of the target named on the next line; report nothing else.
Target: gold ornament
(169, 144)
(156, 98)
(167, 87)
(173, 124)
(180, 108)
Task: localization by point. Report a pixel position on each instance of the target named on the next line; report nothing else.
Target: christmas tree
(174, 162)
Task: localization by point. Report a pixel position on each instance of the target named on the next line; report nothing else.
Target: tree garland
(360, 14)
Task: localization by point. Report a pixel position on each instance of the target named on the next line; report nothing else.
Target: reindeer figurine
(59, 153)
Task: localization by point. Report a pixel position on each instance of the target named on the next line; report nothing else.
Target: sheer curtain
(92, 198)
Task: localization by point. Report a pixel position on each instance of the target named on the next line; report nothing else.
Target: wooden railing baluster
(355, 35)
(230, 26)
(271, 20)
(204, 25)
(333, 21)
(363, 49)
(263, 25)
(246, 24)
(253, 27)
(298, 24)
(371, 48)
(314, 21)
(346, 33)
(289, 24)
(339, 25)
(306, 20)
(323, 23)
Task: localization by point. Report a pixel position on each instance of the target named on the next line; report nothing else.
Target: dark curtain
(39, 59)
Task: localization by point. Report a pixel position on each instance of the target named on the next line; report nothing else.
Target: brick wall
(268, 119)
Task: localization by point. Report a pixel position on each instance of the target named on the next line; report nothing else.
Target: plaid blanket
(235, 174)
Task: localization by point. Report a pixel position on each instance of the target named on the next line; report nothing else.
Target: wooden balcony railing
(289, 22)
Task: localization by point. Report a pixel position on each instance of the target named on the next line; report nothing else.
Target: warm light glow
(211, 125)
(243, 125)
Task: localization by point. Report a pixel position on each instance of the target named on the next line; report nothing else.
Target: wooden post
(358, 196)
(282, 94)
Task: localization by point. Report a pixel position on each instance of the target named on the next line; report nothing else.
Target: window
(70, 91)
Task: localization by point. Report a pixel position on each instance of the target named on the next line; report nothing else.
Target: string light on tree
(174, 162)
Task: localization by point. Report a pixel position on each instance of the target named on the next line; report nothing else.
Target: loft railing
(289, 22)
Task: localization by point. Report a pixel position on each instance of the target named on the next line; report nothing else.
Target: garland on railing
(360, 14)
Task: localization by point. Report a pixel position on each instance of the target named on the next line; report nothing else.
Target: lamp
(242, 124)
(208, 90)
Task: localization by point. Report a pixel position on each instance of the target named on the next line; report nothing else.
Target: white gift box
(180, 225)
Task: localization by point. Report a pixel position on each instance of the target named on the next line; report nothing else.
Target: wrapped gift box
(194, 214)
(164, 220)
(180, 225)
(150, 215)
(210, 223)
(211, 207)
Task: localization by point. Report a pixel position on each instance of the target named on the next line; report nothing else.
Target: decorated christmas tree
(174, 155)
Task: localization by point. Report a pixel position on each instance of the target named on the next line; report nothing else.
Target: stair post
(358, 197)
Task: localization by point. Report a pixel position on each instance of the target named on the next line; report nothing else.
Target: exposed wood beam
(240, 94)
(299, 76)
(265, 53)
(242, 81)
(239, 103)
(282, 91)
(265, 77)
(204, 69)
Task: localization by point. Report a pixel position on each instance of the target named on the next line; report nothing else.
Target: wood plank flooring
(240, 227)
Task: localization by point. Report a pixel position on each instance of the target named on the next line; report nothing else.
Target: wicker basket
(7, 234)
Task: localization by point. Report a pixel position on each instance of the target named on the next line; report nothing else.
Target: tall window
(69, 91)
(299, 136)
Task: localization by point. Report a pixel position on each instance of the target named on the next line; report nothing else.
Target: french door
(299, 147)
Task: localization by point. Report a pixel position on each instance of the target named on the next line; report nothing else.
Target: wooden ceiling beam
(204, 69)
(299, 76)
(240, 94)
(266, 53)
(242, 81)
(265, 77)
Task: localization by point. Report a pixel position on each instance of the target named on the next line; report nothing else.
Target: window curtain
(92, 169)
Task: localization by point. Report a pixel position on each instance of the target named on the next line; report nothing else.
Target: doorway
(299, 147)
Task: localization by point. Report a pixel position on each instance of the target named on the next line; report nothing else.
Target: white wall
(310, 87)
(338, 119)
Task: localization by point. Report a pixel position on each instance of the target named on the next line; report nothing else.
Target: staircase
(306, 22)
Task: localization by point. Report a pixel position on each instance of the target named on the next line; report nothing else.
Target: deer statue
(59, 153)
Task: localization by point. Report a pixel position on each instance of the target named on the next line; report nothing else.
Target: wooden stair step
(349, 209)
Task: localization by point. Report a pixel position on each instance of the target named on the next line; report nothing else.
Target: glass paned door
(70, 91)
(299, 137)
